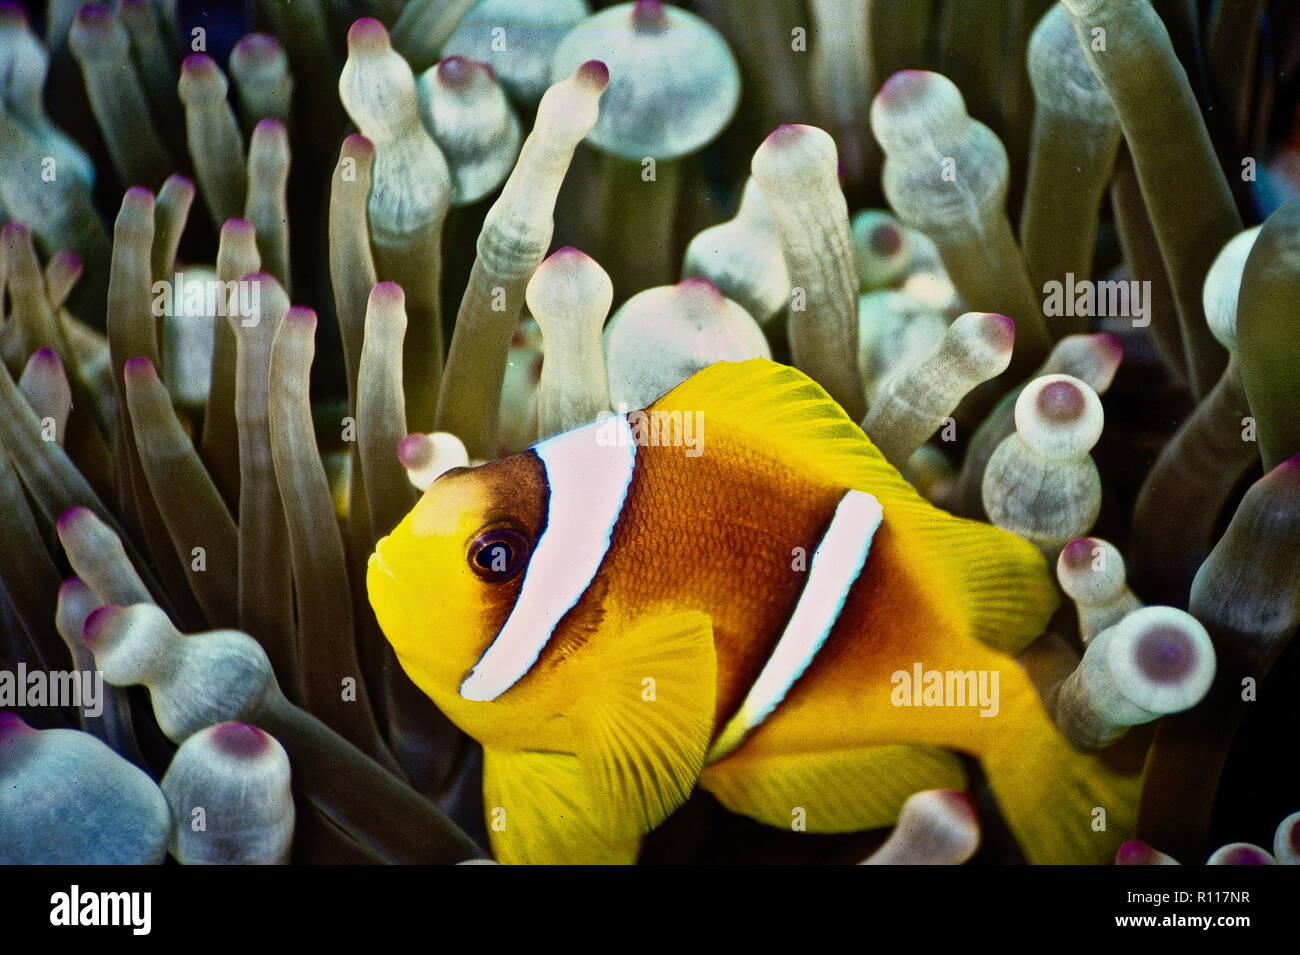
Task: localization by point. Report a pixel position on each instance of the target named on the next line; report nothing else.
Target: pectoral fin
(643, 725)
(538, 812)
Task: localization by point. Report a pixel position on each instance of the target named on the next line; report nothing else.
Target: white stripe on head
(588, 477)
(836, 563)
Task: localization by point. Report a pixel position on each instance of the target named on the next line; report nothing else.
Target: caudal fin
(1064, 807)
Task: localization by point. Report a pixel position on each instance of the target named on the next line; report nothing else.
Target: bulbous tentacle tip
(240, 740)
(14, 231)
(1060, 402)
(1284, 478)
(202, 82)
(567, 257)
(1077, 555)
(137, 201)
(12, 15)
(197, 64)
(415, 450)
(1286, 841)
(1091, 571)
(904, 88)
(100, 623)
(94, 16)
(67, 261)
(786, 134)
(935, 827)
(74, 597)
(999, 329)
(302, 316)
(958, 802)
(1164, 655)
(593, 75)
(237, 228)
(270, 126)
(1161, 658)
(45, 356)
(12, 726)
(242, 776)
(256, 46)
(1114, 350)
(426, 457)
(649, 16)
(139, 368)
(1136, 852)
(456, 72)
(701, 289)
(177, 182)
(1240, 853)
(796, 160)
(885, 239)
(357, 144)
(1059, 415)
(72, 517)
(367, 35)
(388, 294)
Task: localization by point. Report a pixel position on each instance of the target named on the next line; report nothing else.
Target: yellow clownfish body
(635, 607)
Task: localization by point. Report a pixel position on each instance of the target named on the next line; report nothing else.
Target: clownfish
(617, 621)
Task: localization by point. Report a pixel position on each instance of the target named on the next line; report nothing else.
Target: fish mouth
(377, 564)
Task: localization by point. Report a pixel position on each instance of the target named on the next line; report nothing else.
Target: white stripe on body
(836, 563)
(588, 480)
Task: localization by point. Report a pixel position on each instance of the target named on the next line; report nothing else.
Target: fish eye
(498, 554)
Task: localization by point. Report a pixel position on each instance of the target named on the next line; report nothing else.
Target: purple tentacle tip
(1135, 852)
(456, 71)
(137, 366)
(240, 740)
(1165, 655)
(1240, 853)
(649, 16)
(594, 74)
(886, 239)
(903, 87)
(1061, 401)
(93, 14)
(70, 517)
(98, 622)
(12, 725)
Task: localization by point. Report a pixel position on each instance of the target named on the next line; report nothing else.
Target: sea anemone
(266, 276)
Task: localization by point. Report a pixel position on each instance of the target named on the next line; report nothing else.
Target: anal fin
(844, 790)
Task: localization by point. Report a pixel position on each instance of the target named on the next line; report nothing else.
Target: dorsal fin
(791, 415)
(1001, 581)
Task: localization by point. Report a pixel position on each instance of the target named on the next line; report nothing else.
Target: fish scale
(719, 554)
